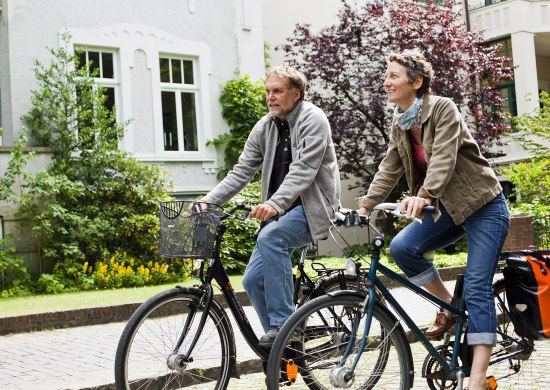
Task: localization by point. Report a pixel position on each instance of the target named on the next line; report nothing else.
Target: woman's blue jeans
(485, 229)
(268, 276)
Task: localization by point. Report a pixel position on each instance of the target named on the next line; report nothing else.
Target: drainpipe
(467, 15)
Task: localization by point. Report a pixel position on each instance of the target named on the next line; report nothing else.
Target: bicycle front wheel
(152, 350)
(315, 338)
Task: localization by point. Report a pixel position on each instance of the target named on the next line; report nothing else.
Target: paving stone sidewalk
(83, 357)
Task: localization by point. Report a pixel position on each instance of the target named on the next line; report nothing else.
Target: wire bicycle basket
(188, 228)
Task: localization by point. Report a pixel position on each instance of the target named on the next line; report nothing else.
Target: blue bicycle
(368, 345)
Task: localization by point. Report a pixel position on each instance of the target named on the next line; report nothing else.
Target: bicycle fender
(358, 294)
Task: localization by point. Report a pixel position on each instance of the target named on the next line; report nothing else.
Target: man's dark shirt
(283, 159)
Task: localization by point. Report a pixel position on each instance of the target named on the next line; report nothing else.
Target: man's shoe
(443, 322)
(268, 339)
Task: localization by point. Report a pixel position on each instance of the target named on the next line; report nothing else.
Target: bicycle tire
(386, 337)
(333, 284)
(149, 337)
(522, 371)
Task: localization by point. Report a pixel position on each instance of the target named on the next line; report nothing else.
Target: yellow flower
(85, 267)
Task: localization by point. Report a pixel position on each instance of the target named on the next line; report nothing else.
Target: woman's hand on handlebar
(412, 206)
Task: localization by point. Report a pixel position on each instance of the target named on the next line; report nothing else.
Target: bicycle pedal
(291, 371)
(492, 382)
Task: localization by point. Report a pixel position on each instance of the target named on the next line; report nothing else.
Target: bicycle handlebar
(350, 218)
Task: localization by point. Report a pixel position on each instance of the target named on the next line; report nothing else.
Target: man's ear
(297, 95)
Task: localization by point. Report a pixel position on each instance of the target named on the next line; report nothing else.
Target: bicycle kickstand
(460, 379)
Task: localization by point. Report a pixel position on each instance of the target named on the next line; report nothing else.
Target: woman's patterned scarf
(406, 120)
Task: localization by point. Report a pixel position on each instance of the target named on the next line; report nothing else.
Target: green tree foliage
(535, 129)
(532, 178)
(345, 64)
(14, 170)
(94, 199)
(243, 104)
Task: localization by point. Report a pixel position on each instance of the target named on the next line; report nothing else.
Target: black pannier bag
(527, 277)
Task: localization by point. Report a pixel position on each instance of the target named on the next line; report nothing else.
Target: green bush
(94, 199)
(239, 238)
(14, 278)
(243, 104)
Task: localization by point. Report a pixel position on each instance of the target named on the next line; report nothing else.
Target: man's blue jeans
(486, 229)
(268, 276)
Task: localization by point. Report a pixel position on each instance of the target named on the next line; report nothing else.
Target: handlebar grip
(350, 219)
(428, 209)
(364, 219)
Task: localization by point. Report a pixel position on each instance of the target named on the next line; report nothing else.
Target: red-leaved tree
(345, 64)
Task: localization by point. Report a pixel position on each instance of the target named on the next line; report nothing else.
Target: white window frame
(106, 82)
(178, 88)
(128, 38)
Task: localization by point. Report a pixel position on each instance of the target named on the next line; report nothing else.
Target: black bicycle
(182, 337)
(374, 349)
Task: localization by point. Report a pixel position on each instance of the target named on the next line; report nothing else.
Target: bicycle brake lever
(399, 214)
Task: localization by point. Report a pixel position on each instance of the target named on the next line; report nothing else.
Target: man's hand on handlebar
(363, 211)
(263, 212)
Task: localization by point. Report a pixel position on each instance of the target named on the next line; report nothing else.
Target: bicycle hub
(342, 377)
(176, 362)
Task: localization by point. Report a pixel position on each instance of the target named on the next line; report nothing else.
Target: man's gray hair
(296, 79)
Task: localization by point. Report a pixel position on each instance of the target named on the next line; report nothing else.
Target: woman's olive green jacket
(457, 174)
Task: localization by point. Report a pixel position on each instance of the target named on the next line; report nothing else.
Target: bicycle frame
(452, 368)
(216, 271)
(374, 282)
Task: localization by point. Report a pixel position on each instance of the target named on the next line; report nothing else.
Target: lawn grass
(77, 300)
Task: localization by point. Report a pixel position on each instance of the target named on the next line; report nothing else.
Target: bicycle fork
(178, 361)
(342, 376)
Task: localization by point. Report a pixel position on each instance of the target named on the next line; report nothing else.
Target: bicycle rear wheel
(316, 336)
(522, 371)
(147, 356)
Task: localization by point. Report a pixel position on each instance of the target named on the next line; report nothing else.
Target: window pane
(82, 59)
(189, 121)
(164, 64)
(107, 64)
(110, 102)
(176, 71)
(188, 72)
(93, 63)
(169, 120)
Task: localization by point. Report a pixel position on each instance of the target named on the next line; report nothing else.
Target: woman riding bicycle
(430, 143)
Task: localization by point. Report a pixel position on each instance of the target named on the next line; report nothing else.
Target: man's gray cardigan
(313, 174)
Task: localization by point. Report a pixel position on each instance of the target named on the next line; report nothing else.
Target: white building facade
(163, 63)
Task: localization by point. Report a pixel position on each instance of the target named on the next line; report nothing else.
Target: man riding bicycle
(300, 192)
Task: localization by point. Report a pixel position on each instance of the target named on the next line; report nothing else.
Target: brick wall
(521, 234)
